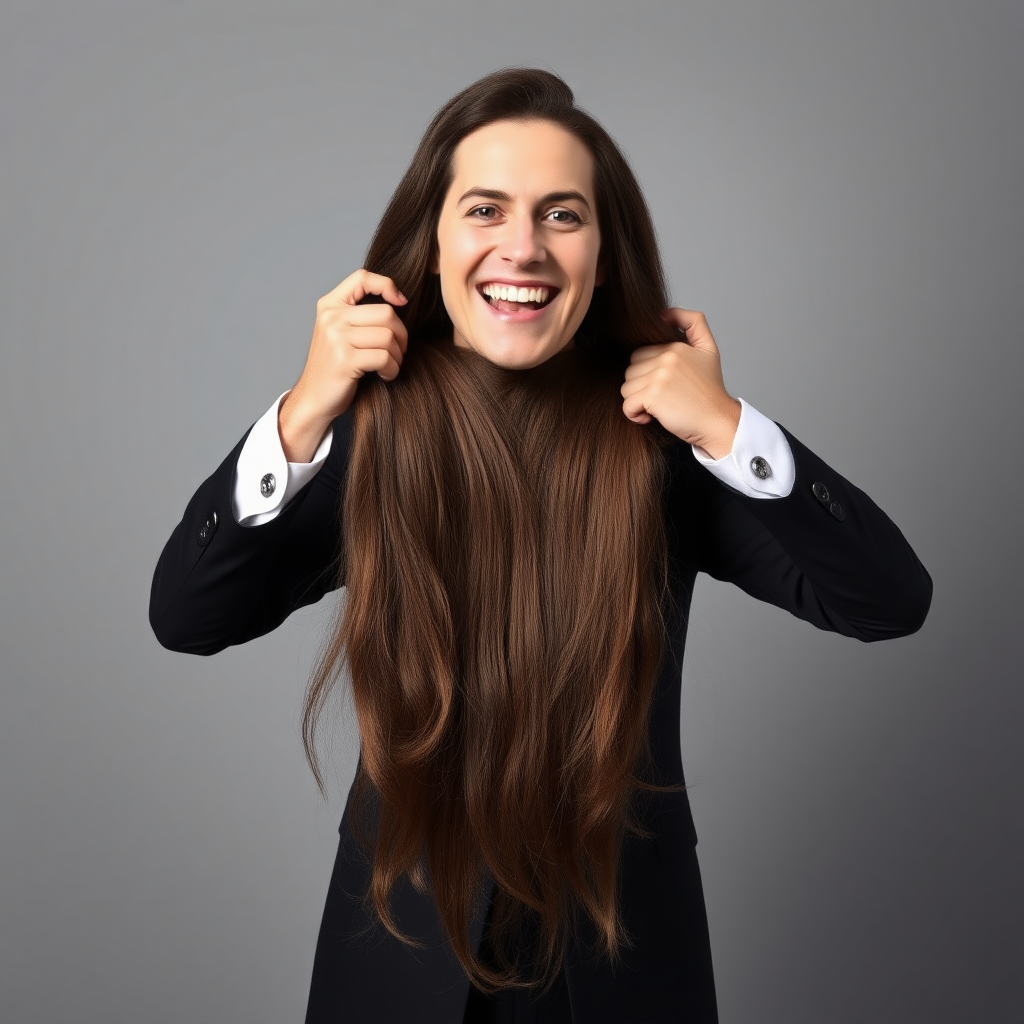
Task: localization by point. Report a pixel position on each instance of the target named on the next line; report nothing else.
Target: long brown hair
(504, 554)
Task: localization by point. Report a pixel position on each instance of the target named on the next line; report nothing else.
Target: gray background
(837, 186)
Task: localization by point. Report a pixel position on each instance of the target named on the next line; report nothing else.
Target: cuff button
(268, 485)
(760, 468)
(207, 530)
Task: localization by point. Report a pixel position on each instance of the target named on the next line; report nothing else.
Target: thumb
(694, 326)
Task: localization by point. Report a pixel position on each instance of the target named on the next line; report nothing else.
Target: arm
(826, 552)
(218, 583)
(820, 548)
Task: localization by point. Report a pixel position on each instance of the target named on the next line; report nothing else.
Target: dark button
(207, 530)
(837, 510)
(267, 485)
(760, 468)
(820, 492)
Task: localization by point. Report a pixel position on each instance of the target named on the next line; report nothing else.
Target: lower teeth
(507, 306)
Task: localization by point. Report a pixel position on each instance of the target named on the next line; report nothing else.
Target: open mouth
(509, 299)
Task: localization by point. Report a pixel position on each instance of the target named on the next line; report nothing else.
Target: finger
(632, 388)
(381, 361)
(637, 377)
(646, 351)
(638, 367)
(377, 316)
(357, 286)
(375, 337)
(653, 356)
(634, 408)
(363, 283)
(390, 347)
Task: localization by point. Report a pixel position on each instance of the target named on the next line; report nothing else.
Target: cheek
(453, 264)
(462, 252)
(453, 241)
(584, 266)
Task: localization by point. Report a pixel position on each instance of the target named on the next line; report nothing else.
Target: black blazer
(826, 553)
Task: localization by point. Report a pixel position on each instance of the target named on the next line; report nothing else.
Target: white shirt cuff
(760, 464)
(265, 481)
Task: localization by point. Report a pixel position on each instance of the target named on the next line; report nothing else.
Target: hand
(680, 385)
(349, 341)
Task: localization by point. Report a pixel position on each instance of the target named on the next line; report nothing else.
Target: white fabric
(263, 453)
(756, 435)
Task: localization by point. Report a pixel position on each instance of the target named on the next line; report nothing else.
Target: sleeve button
(207, 530)
(820, 492)
(760, 468)
(268, 485)
(837, 510)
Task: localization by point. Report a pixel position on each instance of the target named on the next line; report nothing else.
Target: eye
(483, 212)
(565, 217)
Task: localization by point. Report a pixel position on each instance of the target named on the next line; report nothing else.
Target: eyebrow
(504, 197)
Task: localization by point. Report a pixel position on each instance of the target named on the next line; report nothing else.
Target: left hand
(680, 385)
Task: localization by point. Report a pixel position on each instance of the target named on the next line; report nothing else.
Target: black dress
(826, 553)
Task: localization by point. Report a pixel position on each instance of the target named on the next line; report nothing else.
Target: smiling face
(518, 241)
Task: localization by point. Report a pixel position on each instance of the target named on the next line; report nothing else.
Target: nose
(521, 242)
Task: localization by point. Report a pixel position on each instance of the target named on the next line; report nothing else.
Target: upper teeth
(513, 294)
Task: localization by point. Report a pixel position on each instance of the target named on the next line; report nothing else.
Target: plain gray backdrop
(836, 185)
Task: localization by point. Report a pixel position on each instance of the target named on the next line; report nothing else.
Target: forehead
(522, 156)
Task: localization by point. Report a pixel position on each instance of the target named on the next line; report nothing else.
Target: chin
(517, 354)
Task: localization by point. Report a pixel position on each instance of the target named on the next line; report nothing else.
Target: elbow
(178, 623)
(905, 615)
(175, 635)
(917, 600)
(922, 602)
(186, 645)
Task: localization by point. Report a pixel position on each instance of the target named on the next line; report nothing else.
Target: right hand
(349, 341)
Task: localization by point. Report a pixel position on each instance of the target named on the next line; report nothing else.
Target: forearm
(301, 430)
(219, 583)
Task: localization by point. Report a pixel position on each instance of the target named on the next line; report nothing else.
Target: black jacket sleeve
(826, 552)
(217, 583)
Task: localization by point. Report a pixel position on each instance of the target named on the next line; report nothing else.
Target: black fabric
(362, 973)
(854, 574)
(517, 1005)
(692, 998)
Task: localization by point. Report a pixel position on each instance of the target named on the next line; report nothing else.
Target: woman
(532, 457)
